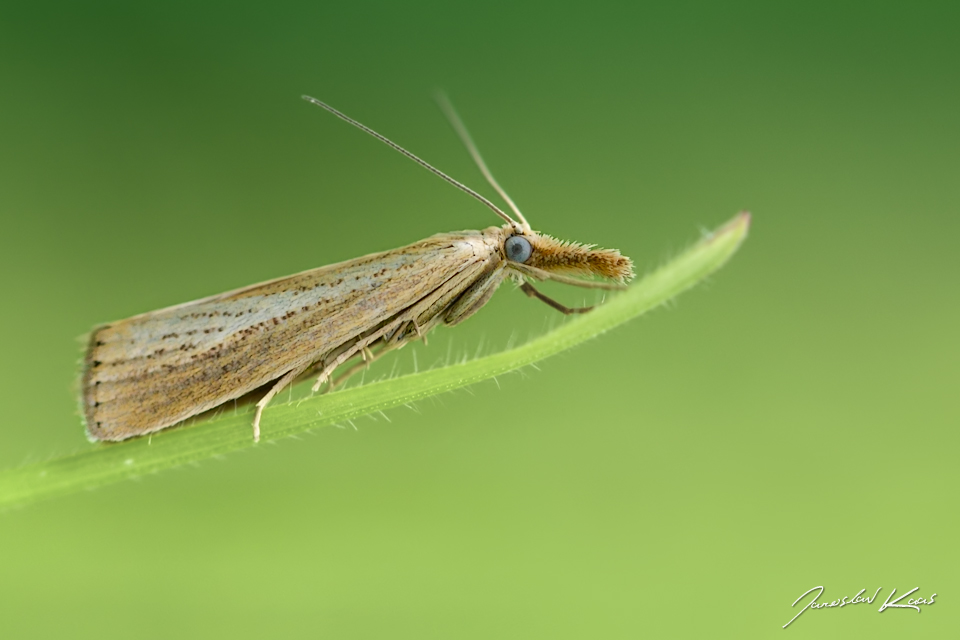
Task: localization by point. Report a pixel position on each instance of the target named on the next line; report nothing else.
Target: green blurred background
(792, 424)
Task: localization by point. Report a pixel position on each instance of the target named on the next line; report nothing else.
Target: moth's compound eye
(518, 249)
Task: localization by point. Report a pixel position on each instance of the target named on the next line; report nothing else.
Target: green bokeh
(792, 424)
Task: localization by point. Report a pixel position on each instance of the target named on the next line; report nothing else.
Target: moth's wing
(154, 370)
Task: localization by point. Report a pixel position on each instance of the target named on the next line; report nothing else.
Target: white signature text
(912, 603)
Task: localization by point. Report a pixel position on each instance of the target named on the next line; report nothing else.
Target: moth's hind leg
(369, 357)
(528, 289)
(328, 368)
(289, 377)
(403, 333)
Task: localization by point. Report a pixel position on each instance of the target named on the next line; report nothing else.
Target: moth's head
(522, 246)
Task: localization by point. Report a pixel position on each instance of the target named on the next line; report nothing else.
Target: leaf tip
(735, 229)
(740, 224)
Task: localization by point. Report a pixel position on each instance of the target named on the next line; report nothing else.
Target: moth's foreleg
(528, 289)
(476, 295)
(289, 377)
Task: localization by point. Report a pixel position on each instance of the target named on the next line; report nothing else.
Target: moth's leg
(477, 295)
(329, 368)
(406, 331)
(422, 336)
(329, 363)
(402, 335)
(368, 358)
(334, 357)
(528, 289)
(289, 377)
(390, 340)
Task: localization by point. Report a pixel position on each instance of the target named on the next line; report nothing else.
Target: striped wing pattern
(154, 370)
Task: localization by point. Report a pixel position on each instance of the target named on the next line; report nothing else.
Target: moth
(157, 369)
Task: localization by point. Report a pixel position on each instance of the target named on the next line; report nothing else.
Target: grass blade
(106, 463)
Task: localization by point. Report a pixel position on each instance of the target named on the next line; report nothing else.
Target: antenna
(447, 107)
(422, 163)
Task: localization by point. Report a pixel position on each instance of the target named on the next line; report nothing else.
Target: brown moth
(154, 370)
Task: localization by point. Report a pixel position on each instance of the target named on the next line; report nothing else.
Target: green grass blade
(230, 431)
